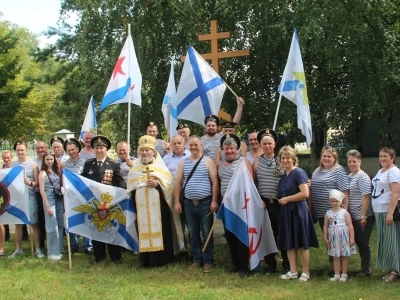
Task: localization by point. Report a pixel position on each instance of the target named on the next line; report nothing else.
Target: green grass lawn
(30, 278)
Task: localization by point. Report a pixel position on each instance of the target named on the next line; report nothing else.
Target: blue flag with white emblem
(99, 211)
(293, 87)
(200, 89)
(14, 204)
(169, 105)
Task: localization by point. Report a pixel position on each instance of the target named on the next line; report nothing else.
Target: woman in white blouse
(385, 195)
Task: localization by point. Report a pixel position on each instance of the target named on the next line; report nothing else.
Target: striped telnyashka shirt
(359, 185)
(322, 182)
(225, 174)
(199, 185)
(76, 167)
(210, 145)
(268, 177)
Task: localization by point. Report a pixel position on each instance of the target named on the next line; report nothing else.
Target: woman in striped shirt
(360, 209)
(329, 175)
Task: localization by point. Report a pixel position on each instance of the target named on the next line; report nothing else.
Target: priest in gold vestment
(159, 226)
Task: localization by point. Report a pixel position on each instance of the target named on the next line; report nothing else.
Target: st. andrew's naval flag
(90, 123)
(14, 204)
(244, 215)
(100, 212)
(168, 107)
(200, 89)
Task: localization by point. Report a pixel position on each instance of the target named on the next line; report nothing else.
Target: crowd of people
(180, 185)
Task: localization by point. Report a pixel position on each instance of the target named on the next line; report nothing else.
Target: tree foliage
(13, 87)
(350, 52)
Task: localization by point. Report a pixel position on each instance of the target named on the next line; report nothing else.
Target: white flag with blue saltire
(90, 123)
(126, 79)
(200, 89)
(244, 215)
(169, 105)
(99, 211)
(293, 87)
(14, 203)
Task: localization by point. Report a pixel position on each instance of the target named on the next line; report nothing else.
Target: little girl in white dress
(339, 235)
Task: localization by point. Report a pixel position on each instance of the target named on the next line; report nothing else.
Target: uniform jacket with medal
(109, 173)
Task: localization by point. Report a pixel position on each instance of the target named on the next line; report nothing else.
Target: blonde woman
(296, 229)
(328, 176)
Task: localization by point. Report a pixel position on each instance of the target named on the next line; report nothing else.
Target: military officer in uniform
(106, 171)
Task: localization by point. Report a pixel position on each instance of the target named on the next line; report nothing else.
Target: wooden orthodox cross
(215, 55)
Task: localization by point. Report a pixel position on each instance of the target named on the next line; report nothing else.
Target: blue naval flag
(100, 212)
(200, 89)
(14, 204)
(90, 123)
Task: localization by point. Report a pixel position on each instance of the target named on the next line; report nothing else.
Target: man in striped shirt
(198, 175)
(267, 174)
(211, 139)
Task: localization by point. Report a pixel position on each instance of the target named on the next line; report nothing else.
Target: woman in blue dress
(296, 229)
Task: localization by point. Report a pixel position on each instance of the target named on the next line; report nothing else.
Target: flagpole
(277, 111)
(168, 122)
(229, 88)
(31, 240)
(129, 92)
(68, 239)
(209, 235)
(69, 252)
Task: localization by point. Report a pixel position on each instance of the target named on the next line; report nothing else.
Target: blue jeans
(54, 224)
(198, 222)
(73, 241)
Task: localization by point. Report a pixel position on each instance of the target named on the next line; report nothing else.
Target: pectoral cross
(148, 172)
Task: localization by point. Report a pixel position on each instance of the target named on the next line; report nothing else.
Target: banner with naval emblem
(100, 212)
(14, 207)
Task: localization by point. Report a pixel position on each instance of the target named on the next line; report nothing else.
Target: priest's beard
(146, 160)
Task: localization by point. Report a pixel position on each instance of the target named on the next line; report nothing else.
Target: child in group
(339, 235)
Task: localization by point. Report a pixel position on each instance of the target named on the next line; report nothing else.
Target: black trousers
(274, 210)
(41, 220)
(239, 251)
(99, 250)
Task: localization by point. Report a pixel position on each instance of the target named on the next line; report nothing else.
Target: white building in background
(64, 134)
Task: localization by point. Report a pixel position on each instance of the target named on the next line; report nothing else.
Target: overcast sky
(35, 15)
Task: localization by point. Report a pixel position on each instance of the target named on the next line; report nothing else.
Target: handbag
(57, 191)
(396, 212)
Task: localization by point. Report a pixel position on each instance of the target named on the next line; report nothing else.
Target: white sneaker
(16, 253)
(39, 253)
(54, 257)
(335, 278)
(343, 278)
